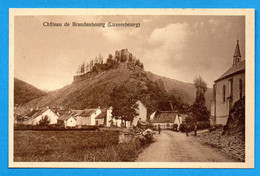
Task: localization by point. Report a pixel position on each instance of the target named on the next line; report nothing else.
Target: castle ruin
(94, 66)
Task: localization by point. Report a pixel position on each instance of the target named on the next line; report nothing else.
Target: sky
(178, 47)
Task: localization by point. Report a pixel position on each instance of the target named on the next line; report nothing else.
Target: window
(224, 93)
(240, 88)
(230, 88)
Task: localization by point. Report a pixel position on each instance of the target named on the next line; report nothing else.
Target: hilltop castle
(97, 65)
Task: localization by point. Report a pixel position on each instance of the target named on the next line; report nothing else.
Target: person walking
(159, 129)
(187, 129)
(195, 128)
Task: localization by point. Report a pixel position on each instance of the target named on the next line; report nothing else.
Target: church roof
(237, 68)
(237, 51)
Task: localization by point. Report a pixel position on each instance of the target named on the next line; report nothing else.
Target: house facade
(164, 119)
(101, 118)
(79, 118)
(35, 116)
(86, 116)
(228, 89)
(70, 122)
(141, 110)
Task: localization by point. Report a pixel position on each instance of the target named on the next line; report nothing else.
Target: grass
(69, 146)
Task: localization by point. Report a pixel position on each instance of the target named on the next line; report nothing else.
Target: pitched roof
(65, 117)
(237, 51)
(20, 111)
(102, 115)
(35, 113)
(237, 68)
(74, 113)
(84, 113)
(142, 123)
(164, 117)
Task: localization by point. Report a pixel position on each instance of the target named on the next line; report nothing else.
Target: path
(176, 147)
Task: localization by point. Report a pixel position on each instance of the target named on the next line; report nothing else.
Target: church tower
(237, 54)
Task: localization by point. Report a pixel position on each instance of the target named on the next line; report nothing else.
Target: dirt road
(176, 147)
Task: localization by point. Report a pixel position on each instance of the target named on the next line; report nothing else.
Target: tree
(44, 121)
(123, 103)
(199, 110)
(110, 61)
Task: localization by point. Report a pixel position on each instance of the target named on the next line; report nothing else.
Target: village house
(110, 121)
(68, 121)
(19, 115)
(228, 89)
(101, 118)
(86, 117)
(34, 116)
(165, 119)
(141, 110)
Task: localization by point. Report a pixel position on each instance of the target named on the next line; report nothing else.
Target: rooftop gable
(237, 68)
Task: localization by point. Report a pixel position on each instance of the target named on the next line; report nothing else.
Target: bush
(203, 125)
(175, 127)
(185, 127)
(182, 128)
(45, 121)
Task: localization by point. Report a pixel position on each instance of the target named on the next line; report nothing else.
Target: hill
(24, 92)
(185, 91)
(96, 90)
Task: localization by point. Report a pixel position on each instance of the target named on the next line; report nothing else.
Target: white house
(68, 121)
(165, 119)
(113, 121)
(152, 116)
(101, 118)
(86, 116)
(35, 116)
(178, 120)
(109, 118)
(142, 111)
(81, 117)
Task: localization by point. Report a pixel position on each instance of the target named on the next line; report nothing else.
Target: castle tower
(237, 54)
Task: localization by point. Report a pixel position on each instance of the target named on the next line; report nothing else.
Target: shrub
(44, 121)
(203, 125)
(175, 127)
(182, 128)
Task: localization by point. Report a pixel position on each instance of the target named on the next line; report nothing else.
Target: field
(67, 146)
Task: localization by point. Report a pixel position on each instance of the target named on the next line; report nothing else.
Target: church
(228, 89)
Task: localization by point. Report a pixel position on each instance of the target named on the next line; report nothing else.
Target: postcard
(131, 88)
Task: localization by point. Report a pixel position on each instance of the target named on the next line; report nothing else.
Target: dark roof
(237, 68)
(65, 117)
(142, 123)
(84, 113)
(164, 117)
(35, 113)
(237, 51)
(102, 115)
(20, 111)
(75, 113)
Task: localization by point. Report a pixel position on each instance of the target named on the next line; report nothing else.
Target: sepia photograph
(131, 88)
